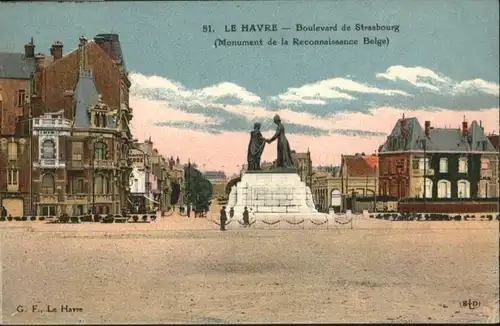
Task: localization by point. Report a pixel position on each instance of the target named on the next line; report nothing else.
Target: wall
(9, 110)
(455, 207)
(390, 182)
(62, 75)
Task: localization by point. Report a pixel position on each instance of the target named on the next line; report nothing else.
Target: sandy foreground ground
(182, 270)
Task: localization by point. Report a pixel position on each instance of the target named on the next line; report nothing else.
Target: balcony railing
(12, 188)
(486, 173)
(420, 172)
(50, 122)
(76, 164)
(103, 198)
(79, 197)
(47, 198)
(103, 164)
(49, 163)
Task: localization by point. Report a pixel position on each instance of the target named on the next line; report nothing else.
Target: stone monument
(272, 193)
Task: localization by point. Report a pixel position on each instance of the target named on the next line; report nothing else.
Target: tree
(198, 188)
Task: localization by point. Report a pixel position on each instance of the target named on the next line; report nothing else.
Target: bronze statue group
(254, 153)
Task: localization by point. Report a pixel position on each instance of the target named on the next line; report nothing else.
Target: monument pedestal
(272, 194)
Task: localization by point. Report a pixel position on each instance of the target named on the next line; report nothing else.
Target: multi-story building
(140, 181)
(437, 163)
(16, 72)
(15, 179)
(356, 178)
(78, 115)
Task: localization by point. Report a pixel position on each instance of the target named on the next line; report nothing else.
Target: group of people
(223, 218)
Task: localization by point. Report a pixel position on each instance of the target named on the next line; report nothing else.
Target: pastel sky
(199, 102)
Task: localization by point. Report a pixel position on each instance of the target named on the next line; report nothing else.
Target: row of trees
(198, 189)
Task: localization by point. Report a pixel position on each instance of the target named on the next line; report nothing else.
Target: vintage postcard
(211, 162)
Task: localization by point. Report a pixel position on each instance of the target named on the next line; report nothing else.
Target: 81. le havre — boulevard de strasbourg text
(378, 40)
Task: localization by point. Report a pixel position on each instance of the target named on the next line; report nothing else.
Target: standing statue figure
(255, 148)
(284, 159)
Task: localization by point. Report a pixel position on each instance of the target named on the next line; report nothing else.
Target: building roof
(358, 166)
(114, 49)
(439, 139)
(85, 95)
(16, 66)
(495, 140)
(372, 161)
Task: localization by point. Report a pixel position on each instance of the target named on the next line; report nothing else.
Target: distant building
(336, 187)
(16, 75)
(438, 163)
(216, 177)
(303, 164)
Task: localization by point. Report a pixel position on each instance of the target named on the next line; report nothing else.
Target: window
(415, 164)
(443, 165)
(48, 184)
(426, 183)
(77, 151)
(485, 164)
(48, 149)
(12, 178)
(100, 150)
(444, 189)
(463, 189)
(421, 164)
(48, 210)
(483, 188)
(101, 185)
(462, 165)
(78, 186)
(12, 151)
(21, 98)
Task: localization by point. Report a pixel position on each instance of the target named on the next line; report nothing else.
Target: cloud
(316, 109)
(227, 150)
(418, 76)
(330, 89)
(477, 85)
(424, 78)
(156, 87)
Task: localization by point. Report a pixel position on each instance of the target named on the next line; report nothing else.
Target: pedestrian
(246, 222)
(223, 218)
(231, 212)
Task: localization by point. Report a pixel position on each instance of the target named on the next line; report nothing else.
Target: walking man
(246, 221)
(223, 218)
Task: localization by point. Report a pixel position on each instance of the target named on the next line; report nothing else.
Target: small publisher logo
(471, 304)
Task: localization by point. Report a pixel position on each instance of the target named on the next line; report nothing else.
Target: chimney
(427, 128)
(403, 126)
(29, 49)
(465, 128)
(56, 50)
(82, 59)
(39, 57)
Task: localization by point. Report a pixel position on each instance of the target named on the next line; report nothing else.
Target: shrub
(2, 218)
(109, 219)
(144, 218)
(17, 218)
(9, 218)
(41, 218)
(97, 218)
(64, 218)
(135, 218)
(24, 218)
(32, 218)
(75, 219)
